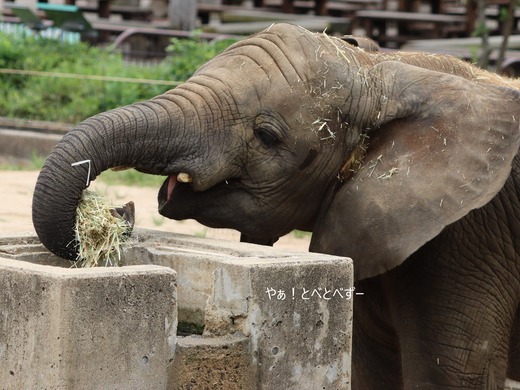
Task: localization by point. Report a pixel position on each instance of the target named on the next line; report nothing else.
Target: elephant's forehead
(265, 72)
(251, 64)
(247, 80)
(282, 65)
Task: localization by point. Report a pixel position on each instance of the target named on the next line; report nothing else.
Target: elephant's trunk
(123, 137)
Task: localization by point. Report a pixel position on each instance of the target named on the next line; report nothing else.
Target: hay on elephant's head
(99, 233)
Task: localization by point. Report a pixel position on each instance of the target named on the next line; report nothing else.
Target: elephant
(405, 162)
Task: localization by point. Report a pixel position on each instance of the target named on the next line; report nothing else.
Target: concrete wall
(266, 319)
(26, 144)
(85, 328)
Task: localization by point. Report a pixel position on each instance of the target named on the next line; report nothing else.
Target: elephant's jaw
(232, 203)
(180, 198)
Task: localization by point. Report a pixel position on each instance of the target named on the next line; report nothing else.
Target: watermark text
(306, 294)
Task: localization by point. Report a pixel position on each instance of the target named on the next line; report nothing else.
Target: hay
(339, 51)
(99, 233)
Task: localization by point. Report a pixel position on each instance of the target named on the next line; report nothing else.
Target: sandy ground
(16, 188)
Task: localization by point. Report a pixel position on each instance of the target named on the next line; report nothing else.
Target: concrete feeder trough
(183, 313)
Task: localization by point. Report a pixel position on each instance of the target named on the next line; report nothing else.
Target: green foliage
(502, 16)
(480, 30)
(158, 221)
(187, 55)
(301, 234)
(131, 177)
(74, 99)
(15, 164)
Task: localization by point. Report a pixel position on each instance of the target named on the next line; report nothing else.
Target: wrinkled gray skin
(384, 157)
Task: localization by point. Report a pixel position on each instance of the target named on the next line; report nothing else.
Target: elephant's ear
(443, 145)
(362, 42)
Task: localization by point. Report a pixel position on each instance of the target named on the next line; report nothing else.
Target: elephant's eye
(266, 137)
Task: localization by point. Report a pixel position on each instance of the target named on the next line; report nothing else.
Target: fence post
(182, 14)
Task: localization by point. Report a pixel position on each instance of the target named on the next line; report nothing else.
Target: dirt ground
(16, 188)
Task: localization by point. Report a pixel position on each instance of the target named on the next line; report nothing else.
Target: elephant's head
(294, 130)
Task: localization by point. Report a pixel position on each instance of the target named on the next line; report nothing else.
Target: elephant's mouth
(174, 180)
(179, 198)
(171, 185)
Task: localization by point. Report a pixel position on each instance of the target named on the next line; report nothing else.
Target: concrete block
(265, 318)
(298, 329)
(26, 144)
(512, 385)
(295, 308)
(104, 328)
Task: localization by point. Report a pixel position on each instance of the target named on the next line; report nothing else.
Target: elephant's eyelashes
(266, 137)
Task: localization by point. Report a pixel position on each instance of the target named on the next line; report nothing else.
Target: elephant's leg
(376, 361)
(455, 317)
(513, 368)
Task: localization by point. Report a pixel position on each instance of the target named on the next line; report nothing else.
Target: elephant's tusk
(184, 178)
